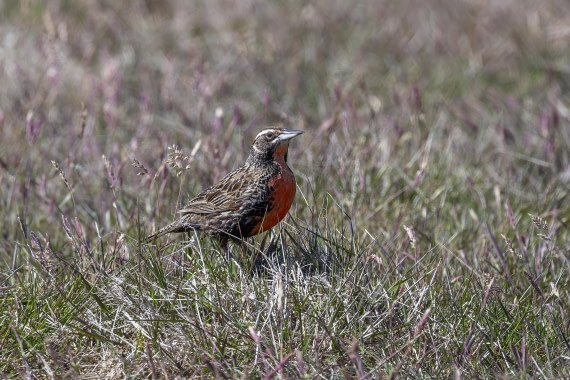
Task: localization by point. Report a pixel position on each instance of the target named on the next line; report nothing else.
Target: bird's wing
(198, 205)
(228, 195)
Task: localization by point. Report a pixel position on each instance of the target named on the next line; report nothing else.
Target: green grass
(429, 237)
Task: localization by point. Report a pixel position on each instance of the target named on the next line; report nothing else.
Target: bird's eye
(270, 135)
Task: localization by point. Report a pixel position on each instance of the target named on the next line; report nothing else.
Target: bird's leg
(226, 249)
(272, 247)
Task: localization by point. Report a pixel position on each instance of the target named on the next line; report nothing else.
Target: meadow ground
(429, 237)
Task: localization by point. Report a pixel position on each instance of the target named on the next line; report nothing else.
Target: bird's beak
(288, 134)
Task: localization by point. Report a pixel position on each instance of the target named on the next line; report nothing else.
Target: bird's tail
(172, 227)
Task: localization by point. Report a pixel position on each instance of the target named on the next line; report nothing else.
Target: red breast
(283, 192)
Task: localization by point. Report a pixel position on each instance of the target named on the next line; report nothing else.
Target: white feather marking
(265, 131)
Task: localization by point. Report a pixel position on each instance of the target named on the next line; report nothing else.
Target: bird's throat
(280, 154)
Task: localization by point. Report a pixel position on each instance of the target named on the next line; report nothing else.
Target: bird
(247, 201)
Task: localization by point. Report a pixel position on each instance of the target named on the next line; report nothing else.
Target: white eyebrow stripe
(265, 131)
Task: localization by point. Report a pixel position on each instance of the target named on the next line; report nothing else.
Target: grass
(429, 237)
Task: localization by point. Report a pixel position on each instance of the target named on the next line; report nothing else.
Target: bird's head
(273, 143)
